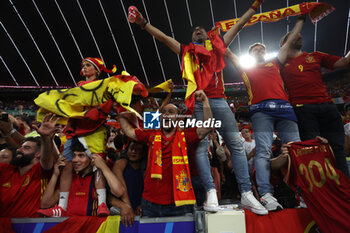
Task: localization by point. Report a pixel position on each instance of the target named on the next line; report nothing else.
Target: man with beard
(167, 186)
(203, 61)
(23, 183)
(317, 114)
(269, 109)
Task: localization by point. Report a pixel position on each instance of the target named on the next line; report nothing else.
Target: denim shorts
(67, 151)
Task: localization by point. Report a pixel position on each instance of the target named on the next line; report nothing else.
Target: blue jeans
(199, 190)
(150, 209)
(229, 132)
(263, 126)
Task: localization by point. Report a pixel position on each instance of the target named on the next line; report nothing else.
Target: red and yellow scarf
(182, 184)
(316, 11)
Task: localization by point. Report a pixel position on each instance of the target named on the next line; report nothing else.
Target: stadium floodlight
(248, 61)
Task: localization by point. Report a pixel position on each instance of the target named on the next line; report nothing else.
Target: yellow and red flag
(77, 224)
(199, 64)
(315, 10)
(76, 102)
(163, 86)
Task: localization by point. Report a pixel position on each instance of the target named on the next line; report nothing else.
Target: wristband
(145, 22)
(11, 132)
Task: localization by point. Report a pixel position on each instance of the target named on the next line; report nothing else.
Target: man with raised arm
(317, 114)
(269, 109)
(23, 183)
(203, 61)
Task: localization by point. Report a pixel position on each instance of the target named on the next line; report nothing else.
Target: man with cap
(84, 129)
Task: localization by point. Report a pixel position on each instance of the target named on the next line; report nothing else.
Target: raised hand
(48, 126)
(135, 16)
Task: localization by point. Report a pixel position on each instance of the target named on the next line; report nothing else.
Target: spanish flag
(199, 64)
(77, 224)
(164, 86)
(76, 102)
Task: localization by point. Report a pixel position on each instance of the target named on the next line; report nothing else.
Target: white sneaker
(249, 202)
(270, 202)
(211, 204)
(302, 203)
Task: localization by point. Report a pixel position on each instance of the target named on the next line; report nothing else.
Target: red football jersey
(325, 189)
(303, 77)
(215, 88)
(155, 190)
(82, 200)
(20, 195)
(264, 82)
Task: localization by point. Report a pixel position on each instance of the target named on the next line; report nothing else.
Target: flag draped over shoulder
(199, 64)
(163, 86)
(315, 10)
(76, 102)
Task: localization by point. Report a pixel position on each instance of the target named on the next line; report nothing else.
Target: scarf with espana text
(182, 184)
(316, 11)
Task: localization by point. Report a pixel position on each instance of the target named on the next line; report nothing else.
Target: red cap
(98, 64)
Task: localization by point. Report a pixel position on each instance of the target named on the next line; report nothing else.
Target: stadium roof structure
(43, 42)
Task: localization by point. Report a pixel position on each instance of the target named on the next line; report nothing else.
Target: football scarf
(315, 10)
(182, 185)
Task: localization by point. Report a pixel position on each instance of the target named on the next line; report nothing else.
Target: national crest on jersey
(7, 185)
(26, 181)
(309, 59)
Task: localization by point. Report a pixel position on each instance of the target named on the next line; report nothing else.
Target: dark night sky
(331, 33)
